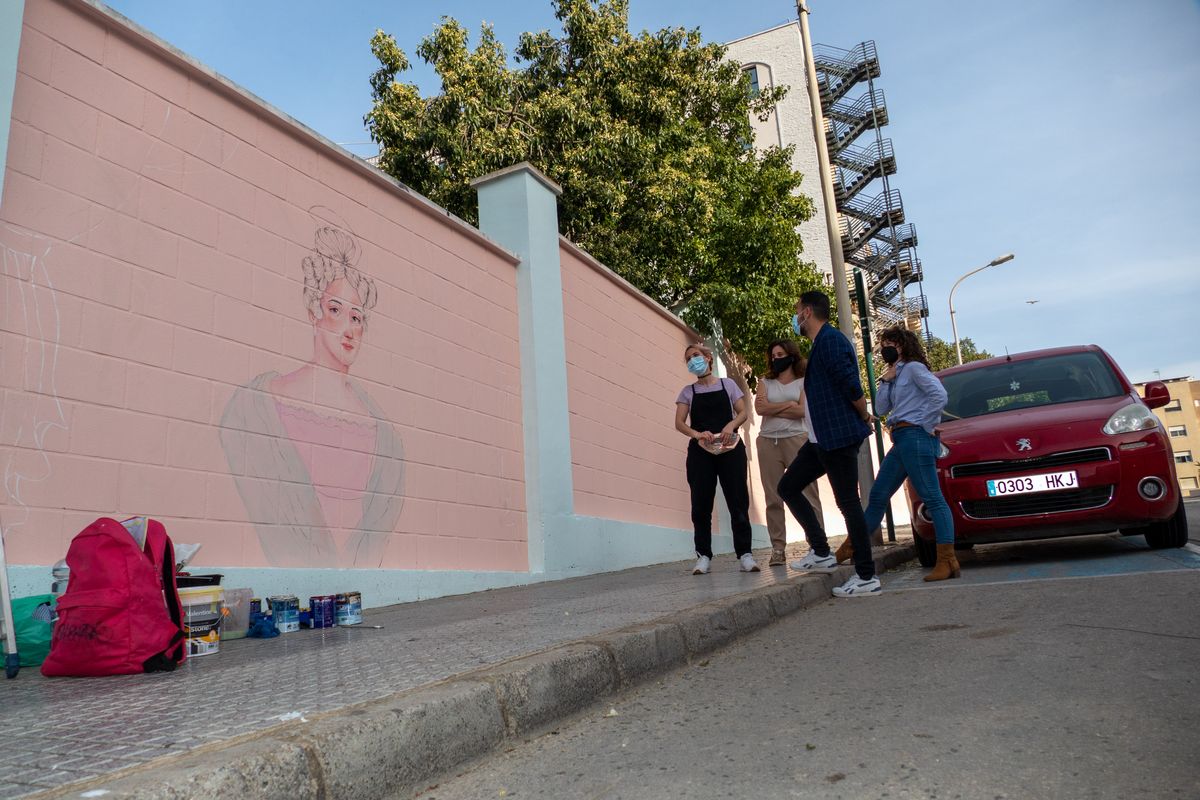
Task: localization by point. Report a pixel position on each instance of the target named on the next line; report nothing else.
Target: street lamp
(954, 327)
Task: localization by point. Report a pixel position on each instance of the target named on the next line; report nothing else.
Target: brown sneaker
(778, 559)
(845, 551)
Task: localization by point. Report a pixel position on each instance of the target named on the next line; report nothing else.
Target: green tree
(941, 353)
(649, 136)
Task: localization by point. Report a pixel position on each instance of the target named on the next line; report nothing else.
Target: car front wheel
(1172, 532)
(926, 551)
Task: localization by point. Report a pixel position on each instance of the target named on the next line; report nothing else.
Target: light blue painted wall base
(604, 545)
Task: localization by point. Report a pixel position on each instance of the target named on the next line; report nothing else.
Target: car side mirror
(1156, 395)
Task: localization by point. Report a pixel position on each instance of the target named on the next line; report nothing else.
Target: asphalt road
(1063, 669)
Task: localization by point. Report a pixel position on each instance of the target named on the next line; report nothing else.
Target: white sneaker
(815, 563)
(748, 563)
(857, 587)
(701, 567)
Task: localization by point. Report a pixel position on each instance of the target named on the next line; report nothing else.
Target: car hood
(1042, 429)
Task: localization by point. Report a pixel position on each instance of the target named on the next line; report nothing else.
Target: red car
(1052, 443)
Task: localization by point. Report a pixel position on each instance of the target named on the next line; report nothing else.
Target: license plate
(1047, 482)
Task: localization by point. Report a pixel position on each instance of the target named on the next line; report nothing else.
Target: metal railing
(875, 208)
(839, 70)
(871, 158)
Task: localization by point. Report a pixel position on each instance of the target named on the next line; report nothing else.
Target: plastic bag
(183, 554)
(33, 625)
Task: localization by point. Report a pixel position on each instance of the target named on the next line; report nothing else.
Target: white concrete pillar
(11, 14)
(518, 209)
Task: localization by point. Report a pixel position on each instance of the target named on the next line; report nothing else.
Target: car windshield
(1028, 383)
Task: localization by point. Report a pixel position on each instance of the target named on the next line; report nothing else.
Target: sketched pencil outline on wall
(26, 271)
(273, 443)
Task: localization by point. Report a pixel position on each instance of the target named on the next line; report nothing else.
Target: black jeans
(841, 465)
(703, 471)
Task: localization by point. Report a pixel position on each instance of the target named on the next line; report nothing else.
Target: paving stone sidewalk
(64, 730)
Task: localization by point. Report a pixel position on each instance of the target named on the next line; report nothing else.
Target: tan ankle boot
(946, 566)
(845, 551)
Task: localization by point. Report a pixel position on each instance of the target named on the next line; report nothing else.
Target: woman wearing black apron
(709, 412)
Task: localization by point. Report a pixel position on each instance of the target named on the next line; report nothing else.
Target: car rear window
(1029, 383)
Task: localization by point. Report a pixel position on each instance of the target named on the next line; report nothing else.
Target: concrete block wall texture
(625, 368)
(215, 317)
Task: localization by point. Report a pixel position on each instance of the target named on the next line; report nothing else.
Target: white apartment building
(772, 58)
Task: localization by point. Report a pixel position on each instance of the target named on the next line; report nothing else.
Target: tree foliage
(649, 136)
(941, 353)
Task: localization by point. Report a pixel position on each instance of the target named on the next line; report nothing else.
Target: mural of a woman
(318, 466)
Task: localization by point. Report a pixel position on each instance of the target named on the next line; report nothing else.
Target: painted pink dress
(322, 490)
(338, 453)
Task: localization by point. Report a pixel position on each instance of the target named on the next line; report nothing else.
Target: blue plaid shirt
(832, 385)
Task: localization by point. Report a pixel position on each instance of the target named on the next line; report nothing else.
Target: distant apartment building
(775, 58)
(869, 214)
(1181, 419)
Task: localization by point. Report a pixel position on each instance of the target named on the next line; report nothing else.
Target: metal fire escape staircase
(842, 70)
(875, 236)
(857, 166)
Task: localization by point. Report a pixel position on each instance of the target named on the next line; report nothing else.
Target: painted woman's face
(339, 331)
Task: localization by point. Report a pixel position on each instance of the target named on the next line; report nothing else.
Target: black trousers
(841, 465)
(703, 471)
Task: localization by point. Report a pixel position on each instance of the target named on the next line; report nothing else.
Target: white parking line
(952, 584)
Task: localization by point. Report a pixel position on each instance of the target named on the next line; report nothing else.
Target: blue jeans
(913, 456)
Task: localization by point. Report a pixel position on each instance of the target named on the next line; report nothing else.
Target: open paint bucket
(203, 607)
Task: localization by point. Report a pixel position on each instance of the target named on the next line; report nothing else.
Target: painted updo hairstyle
(335, 255)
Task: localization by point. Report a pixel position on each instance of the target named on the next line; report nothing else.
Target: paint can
(323, 610)
(285, 611)
(203, 610)
(349, 608)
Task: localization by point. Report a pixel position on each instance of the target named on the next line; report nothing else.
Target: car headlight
(1133, 417)
(943, 451)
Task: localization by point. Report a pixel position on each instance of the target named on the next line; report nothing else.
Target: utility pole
(841, 287)
(837, 259)
(864, 320)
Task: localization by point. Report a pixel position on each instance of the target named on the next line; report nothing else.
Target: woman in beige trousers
(779, 400)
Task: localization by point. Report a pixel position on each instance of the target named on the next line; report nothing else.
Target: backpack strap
(161, 553)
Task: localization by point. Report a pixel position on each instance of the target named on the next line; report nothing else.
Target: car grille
(1023, 464)
(1023, 505)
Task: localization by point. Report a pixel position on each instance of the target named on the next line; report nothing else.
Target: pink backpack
(121, 612)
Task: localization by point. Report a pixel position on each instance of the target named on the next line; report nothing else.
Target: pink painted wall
(624, 371)
(158, 354)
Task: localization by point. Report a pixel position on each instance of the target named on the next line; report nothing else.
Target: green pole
(864, 318)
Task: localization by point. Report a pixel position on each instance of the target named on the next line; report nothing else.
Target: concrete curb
(399, 745)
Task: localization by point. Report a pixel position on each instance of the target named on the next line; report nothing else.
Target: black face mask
(780, 365)
(890, 354)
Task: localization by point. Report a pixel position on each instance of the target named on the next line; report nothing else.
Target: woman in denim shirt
(912, 398)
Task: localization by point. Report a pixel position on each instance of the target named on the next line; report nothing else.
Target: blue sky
(1060, 131)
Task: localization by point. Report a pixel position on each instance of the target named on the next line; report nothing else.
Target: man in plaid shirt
(838, 421)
